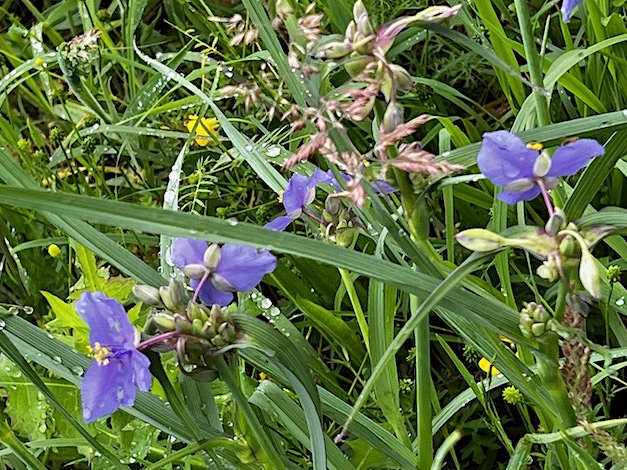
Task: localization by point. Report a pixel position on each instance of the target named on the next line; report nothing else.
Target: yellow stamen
(100, 353)
(535, 146)
(280, 197)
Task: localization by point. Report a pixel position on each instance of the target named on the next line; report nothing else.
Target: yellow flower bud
(54, 250)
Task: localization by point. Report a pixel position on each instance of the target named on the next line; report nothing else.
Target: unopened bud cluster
(342, 224)
(534, 320)
(198, 327)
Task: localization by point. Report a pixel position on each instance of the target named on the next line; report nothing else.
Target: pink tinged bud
(194, 271)
(438, 13)
(478, 239)
(393, 116)
(212, 256)
(388, 32)
(589, 274)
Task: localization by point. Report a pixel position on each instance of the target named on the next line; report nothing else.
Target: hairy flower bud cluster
(342, 223)
(534, 320)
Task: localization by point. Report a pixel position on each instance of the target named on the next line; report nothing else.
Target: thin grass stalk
(533, 62)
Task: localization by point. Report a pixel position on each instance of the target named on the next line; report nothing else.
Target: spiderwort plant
(567, 9)
(299, 192)
(118, 367)
(525, 171)
(216, 272)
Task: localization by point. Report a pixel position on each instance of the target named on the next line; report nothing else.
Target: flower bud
(569, 247)
(212, 257)
(197, 311)
(549, 271)
(194, 271)
(393, 116)
(534, 320)
(182, 324)
(148, 294)
(478, 239)
(402, 77)
(438, 13)
(556, 222)
(589, 274)
(164, 321)
(542, 165)
(334, 50)
(613, 273)
(221, 283)
(173, 296)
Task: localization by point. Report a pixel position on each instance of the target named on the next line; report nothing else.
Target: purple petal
(210, 295)
(570, 158)
(512, 197)
(567, 9)
(320, 176)
(105, 388)
(298, 192)
(141, 373)
(243, 267)
(334, 182)
(188, 251)
(108, 322)
(381, 187)
(280, 223)
(504, 158)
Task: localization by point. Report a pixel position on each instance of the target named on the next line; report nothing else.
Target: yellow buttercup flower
(206, 127)
(487, 367)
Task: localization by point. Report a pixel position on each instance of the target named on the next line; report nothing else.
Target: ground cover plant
(312, 234)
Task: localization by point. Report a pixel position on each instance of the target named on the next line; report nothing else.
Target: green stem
(419, 233)
(548, 370)
(533, 62)
(423, 389)
(359, 312)
(9, 439)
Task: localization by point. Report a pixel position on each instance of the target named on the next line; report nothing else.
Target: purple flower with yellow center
(299, 192)
(524, 171)
(118, 366)
(567, 9)
(217, 271)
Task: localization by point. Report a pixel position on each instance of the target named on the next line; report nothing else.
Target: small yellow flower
(512, 395)
(54, 250)
(39, 62)
(206, 127)
(486, 366)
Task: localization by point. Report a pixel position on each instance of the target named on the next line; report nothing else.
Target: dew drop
(50, 335)
(56, 360)
(28, 310)
(621, 301)
(232, 221)
(2, 324)
(274, 312)
(265, 303)
(78, 370)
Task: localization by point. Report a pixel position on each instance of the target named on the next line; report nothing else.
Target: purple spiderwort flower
(118, 366)
(240, 268)
(525, 171)
(567, 9)
(299, 192)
